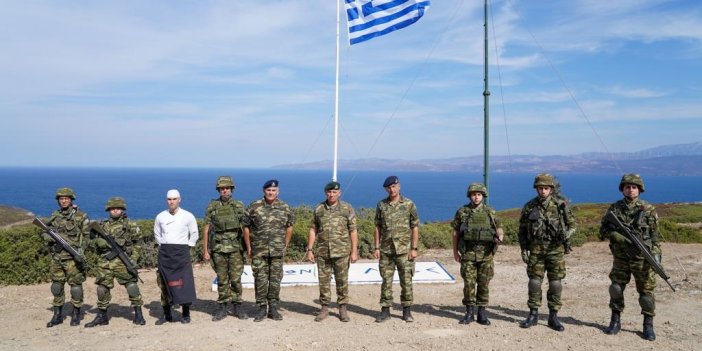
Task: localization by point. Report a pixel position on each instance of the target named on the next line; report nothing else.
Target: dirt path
(24, 311)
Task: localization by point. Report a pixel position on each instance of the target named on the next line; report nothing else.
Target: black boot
(648, 332)
(469, 317)
(531, 319)
(261, 314)
(407, 314)
(185, 317)
(553, 321)
(220, 313)
(100, 319)
(75, 316)
(138, 316)
(384, 315)
(615, 324)
(482, 316)
(167, 316)
(274, 314)
(57, 318)
(239, 311)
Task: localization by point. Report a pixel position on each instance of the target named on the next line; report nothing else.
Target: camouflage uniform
(268, 224)
(333, 226)
(395, 221)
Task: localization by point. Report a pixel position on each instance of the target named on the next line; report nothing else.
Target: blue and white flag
(372, 18)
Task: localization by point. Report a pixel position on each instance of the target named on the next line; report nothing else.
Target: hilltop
(11, 216)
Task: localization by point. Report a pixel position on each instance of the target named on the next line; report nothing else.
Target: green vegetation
(24, 259)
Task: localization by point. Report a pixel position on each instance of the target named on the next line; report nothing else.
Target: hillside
(10, 216)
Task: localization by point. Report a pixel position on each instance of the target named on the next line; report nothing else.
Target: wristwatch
(415, 249)
(308, 250)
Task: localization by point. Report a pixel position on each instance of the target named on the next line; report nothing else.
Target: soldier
(642, 218)
(396, 237)
(126, 235)
(223, 243)
(545, 227)
(334, 224)
(268, 226)
(71, 224)
(476, 234)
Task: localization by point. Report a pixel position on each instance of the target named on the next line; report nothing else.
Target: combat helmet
(65, 192)
(544, 179)
(631, 178)
(224, 182)
(116, 202)
(477, 187)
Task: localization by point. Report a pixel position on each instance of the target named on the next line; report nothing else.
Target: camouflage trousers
(106, 273)
(67, 271)
(476, 273)
(268, 273)
(339, 266)
(644, 277)
(405, 270)
(546, 260)
(228, 267)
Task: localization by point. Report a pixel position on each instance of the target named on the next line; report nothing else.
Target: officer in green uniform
(126, 235)
(642, 218)
(396, 237)
(268, 227)
(476, 234)
(223, 246)
(71, 224)
(545, 227)
(334, 227)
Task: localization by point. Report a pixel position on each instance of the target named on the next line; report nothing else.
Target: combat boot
(384, 315)
(324, 313)
(167, 316)
(553, 321)
(274, 314)
(482, 316)
(343, 313)
(138, 316)
(648, 332)
(57, 318)
(469, 316)
(531, 319)
(261, 314)
(407, 314)
(238, 311)
(615, 324)
(75, 316)
(185, 317)
(100, 319)
(220, 313)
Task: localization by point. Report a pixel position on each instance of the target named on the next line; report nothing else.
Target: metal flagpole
(486, 120)
(336, 93)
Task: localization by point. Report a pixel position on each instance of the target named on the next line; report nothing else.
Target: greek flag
(372, 18)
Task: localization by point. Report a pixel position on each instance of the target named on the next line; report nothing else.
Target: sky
(250, 83)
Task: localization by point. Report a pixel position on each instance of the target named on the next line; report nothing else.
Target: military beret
(332, 186)
(270, 183)
(390, 181)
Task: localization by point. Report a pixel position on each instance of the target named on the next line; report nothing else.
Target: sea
(437, 194)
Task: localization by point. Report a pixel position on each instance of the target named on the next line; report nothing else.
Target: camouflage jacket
(333, 226)
(545, 221)
(475, 225)
(225, 219)
(72, 225)
(268, 224)
(641, 217)
(126, 234)
(395, 222)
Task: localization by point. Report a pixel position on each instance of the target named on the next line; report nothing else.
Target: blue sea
(437, 194)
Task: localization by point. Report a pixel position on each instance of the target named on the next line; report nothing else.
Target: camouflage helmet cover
(65, 192)
(632, 178)
(544, 179)
(477, 187)
(224, 182)
(115, 202)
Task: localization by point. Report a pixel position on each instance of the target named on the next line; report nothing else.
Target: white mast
(336, 93)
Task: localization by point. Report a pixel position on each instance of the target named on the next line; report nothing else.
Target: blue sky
(250, 83)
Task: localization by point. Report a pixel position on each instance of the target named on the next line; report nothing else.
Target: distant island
(678, 160)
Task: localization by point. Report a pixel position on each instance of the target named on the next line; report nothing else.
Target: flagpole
(486, 122)
(336, 93)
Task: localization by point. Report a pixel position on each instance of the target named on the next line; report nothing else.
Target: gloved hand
(619, 238)
(525, 256)
(566, 247)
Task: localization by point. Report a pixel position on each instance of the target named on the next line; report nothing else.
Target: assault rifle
(640, 245)
(77, 256)
(116, 251)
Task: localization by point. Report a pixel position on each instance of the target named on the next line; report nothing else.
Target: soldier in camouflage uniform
(126, 235)
(476, 234)
(334, 226)
(71, 224)
(268, 226)
(545, 227)
(223, 244)
(396, 237)
(642, 218)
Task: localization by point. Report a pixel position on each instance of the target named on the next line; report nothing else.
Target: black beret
(390, 181)
(270, 183)
(332, 186)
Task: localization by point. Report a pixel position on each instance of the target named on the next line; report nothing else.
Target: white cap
(172, 194)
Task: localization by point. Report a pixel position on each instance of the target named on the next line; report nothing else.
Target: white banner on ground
(359, 273)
